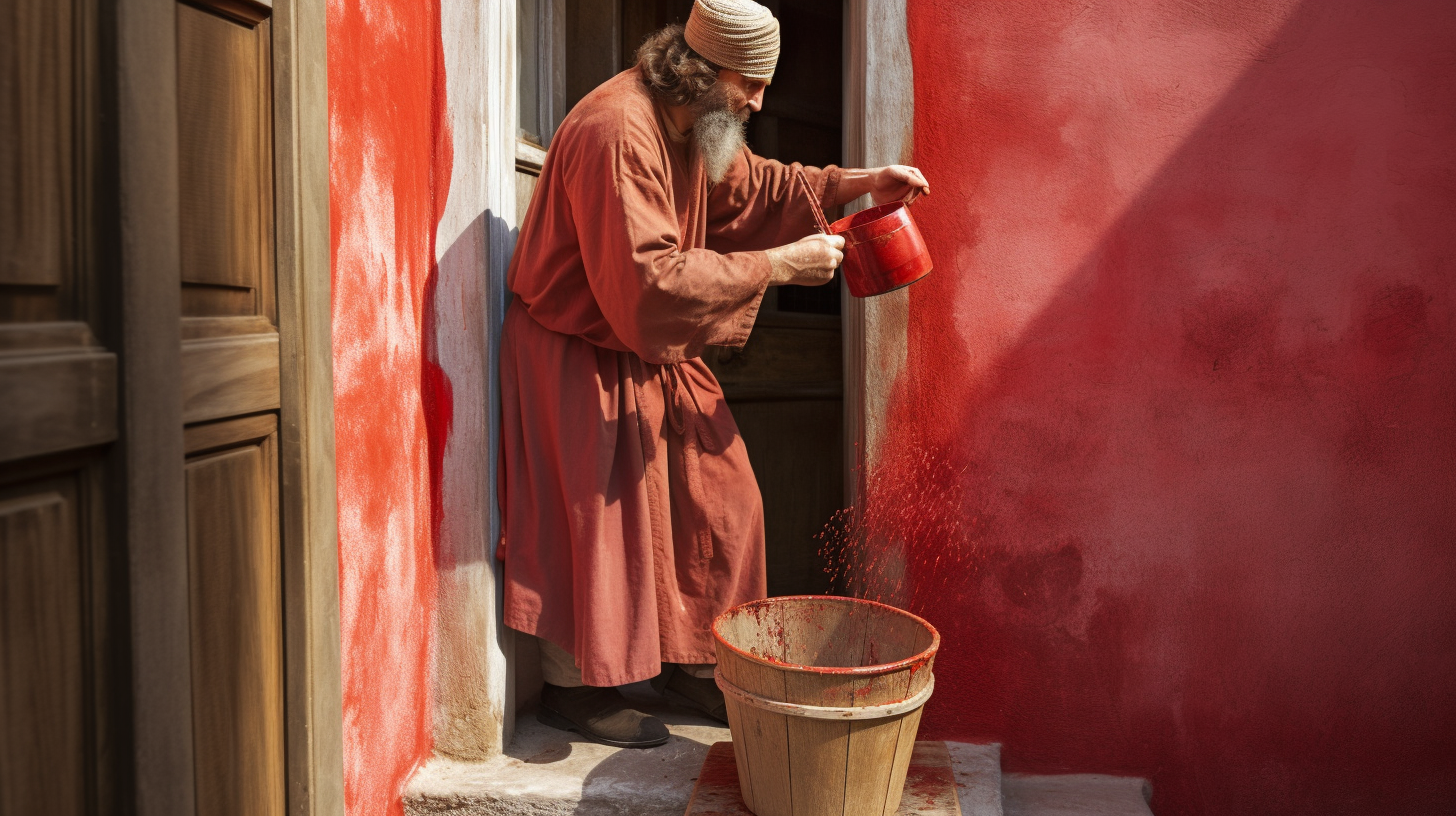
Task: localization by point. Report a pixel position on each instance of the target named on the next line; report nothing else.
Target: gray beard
(719, 134)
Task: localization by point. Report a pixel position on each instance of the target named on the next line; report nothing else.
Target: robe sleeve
(760, 205)
(665, 303)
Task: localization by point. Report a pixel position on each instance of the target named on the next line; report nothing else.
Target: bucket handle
(819, 219)
(872, 712)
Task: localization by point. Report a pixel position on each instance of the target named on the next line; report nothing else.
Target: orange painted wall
(389, 170)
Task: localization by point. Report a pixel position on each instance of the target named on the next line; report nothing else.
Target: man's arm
(811, 261)
(895, 182)
(759, 203)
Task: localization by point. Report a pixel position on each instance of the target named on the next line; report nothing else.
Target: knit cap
(737, 34)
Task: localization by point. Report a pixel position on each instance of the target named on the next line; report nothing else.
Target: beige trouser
(558, 667)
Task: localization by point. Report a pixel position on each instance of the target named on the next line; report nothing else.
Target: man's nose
(755, 101)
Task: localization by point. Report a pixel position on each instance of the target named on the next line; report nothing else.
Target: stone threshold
(546, 772)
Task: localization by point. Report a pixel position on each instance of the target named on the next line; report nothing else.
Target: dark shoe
(697, 693)
(600, 714)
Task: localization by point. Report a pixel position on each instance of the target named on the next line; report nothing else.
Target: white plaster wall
(879, 117)
(472, 719)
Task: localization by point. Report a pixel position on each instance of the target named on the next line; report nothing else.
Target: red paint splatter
(436, 393)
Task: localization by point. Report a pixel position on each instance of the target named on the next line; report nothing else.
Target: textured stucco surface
(1183, 380)
(389, 172)
(415, 87)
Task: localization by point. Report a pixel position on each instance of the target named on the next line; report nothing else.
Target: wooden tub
(824, 697)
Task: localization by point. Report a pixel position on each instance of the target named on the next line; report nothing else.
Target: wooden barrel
(824, 697)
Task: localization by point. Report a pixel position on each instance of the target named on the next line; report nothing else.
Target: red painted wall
(1186, 379)
(389, 171)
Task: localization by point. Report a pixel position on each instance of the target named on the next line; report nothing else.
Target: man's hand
(809, 261)
(897, 182)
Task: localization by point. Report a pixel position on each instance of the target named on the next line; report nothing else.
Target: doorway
(785, 387)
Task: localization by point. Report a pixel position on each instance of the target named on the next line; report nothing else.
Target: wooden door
(58, 397)
(230, 395)
(147, 425)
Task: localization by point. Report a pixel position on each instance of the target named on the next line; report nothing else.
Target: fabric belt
(685, 416)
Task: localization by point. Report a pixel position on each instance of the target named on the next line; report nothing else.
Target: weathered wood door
(152, 434)
(58, 395)
(230, 402)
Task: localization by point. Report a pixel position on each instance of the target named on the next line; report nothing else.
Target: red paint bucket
(883, 250)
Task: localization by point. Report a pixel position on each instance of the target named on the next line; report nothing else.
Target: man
(631, 517)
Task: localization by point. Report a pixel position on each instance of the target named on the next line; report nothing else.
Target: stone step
(1075, 795)
(978, 777)
(547, 772)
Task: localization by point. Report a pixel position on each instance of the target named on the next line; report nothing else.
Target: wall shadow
(458, 359)
(457, 378)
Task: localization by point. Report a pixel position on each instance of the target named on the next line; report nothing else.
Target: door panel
(38, 140)
(105, 693)
(47, 161)
(226, 376)
(236, 611)
(230, 377)
(58, 397)
(225, 167)
(42, 652)
(230, 362)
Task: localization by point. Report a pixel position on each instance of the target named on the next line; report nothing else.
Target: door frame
(313, 685)
(144, 96)
(875, 34)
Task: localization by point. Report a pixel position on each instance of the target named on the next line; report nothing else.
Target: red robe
(630, 515)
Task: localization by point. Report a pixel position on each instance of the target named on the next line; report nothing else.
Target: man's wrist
(779, 272)
(853, 183)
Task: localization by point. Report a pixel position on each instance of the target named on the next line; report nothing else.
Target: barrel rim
(920, 658)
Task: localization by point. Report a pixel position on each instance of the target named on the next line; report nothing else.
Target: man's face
(744, 95)
(719, 117)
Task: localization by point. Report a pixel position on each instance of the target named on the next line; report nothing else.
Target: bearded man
(631, 517)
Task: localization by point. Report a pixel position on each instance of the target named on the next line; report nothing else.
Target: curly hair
(676, 73)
